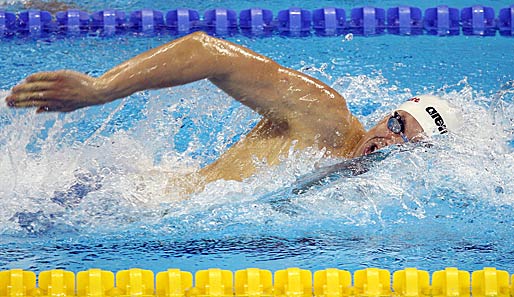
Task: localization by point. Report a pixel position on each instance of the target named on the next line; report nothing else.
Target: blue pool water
(86, 189)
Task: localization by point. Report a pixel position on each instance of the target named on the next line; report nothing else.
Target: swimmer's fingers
(47, 76)
(47, 108)
(33, 87)
(19, 99)
(39, 86)
(56, 91)
(53, 104)
(45, 101)
(46, 105)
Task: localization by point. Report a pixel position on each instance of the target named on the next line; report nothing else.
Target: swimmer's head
(415, 120)
(434, 115)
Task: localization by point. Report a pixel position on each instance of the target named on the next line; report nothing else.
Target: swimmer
(52, 6)
(297, 110)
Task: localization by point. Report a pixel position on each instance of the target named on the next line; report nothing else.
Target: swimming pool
(449, 205)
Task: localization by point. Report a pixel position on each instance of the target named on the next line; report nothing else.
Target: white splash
(122, 175)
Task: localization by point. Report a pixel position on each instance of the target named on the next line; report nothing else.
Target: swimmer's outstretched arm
(278, 93)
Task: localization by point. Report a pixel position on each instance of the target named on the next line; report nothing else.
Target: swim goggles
(396, 125)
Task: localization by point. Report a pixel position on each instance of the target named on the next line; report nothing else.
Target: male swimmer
(52, 6)
(297, 110)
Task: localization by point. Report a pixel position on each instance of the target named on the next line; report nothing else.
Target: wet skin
(297, 110)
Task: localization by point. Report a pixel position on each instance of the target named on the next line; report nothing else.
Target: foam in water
(11, 2)
(52, 180)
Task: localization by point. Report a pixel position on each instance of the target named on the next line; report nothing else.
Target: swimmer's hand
(61, 91)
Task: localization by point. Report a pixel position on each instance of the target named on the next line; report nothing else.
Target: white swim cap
(435, 115)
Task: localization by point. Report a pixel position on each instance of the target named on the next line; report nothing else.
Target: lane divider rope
(291, 282)
(329, 21)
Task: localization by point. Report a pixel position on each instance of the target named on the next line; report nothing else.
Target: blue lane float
(256, 21)
(7, 23)
(294, 22)
(506, 21)
(367, 21)
(478, 20)
(405, 20)
(108, 22)
(182, 21)
(35, 23)
(442, 21)
(329, 21)
(72, 21)
(220, 21)
(146, 21)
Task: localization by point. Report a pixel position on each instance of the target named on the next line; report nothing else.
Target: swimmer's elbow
(199, 35)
